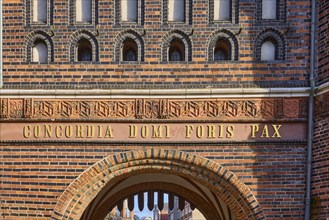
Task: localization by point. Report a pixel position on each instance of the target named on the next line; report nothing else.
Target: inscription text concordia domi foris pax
(147, 131)
(157, 132)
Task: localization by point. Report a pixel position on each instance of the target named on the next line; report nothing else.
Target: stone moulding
(154, 108)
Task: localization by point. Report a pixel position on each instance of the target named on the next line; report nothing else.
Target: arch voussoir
(224, 183)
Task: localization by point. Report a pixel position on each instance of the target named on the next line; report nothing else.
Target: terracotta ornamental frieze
(175, 109)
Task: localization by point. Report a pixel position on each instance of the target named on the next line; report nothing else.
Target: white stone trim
(159, 93)
(322, 89)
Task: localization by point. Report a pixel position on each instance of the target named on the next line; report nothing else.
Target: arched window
(83, 10)
(129, 10)
(84, 50)
(40, 11)
(129, 50)
(222, 50)
(222, 10)
(269, 9)
(176, 10)
(176, 50)
(40, 52)
(268, 51)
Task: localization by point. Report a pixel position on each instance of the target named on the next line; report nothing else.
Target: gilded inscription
(67, 131)
(152, 131)
(266, 131)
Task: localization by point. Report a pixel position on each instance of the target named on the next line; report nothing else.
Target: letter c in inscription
(27, 131)
(59, 131)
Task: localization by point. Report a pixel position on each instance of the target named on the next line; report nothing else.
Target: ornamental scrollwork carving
(4, 113)
(16, 108)
(139, 108)
(28, 104)
(164, 108)
(175, 109)
(152, 109)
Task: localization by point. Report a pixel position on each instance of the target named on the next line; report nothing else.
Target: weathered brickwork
(256, 178)
(320, 177)
(35, 176)
(323, 42)
(152, 69)
(320, 167)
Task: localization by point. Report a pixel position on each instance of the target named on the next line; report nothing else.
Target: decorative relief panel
(27, 108)
(291, 108)
(4, 113)
(16, 108)
(270, 108)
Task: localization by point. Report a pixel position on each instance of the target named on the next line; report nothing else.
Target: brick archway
(203, 205)
(219, 180)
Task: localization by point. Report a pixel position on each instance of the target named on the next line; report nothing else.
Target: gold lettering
(189, 129)
(109, 132)
(276, 131)
(48, 131)
(132, 131)
(27, 131)
(254, 129)
(59, 131)
(90, 131)
(37, 131)
(229, 130)
(200, 131)
(211, 131)
(100, 131)
(167, 131)
(265, 132)
(68, 131)
(221, 131)
(79, 131)
(157, 132)
(144, 131)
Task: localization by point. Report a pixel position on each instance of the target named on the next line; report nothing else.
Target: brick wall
(320, 175)
(323, 42)
(292, 25)
(35, 176)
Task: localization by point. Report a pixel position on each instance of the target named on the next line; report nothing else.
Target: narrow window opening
(84, 50)
(222, 50)
(268, 51)
(40, 11)
(176, 10)
(129, 10)
(222, 10)
(129, 50)
(83, 10)
(40, 52)
(176, 50)
(269, 9)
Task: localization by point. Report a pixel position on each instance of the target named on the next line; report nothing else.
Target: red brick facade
(320, 186)
(320, 178)
(291, 30)
(257, 178)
